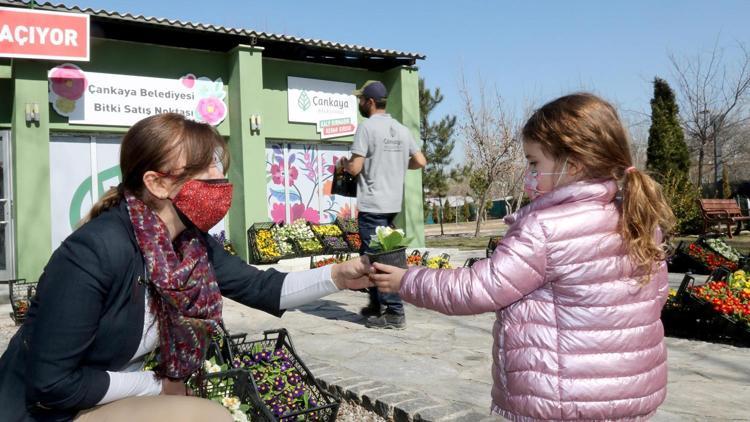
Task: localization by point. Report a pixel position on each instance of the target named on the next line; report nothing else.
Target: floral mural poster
(299, 179)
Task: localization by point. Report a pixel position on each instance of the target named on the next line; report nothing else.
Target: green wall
(31, 187)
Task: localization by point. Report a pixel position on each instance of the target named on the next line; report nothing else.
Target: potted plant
(391, 244)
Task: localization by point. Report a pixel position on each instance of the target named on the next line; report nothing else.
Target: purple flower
(247, 360)
(285, 366)
(279, 353)
(264, 388)
(298, 391)
(257, 376)
(294, 379)
(237, 362)
(279, 410)
(278, 384)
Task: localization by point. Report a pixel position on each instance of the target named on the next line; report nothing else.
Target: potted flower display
(391, 246)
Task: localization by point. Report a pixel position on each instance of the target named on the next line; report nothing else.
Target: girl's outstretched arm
(515, 269)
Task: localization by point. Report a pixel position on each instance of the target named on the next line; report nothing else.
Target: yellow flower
(672, 292)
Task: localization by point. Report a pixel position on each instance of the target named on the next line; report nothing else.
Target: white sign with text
(329, 104)
(92, 98)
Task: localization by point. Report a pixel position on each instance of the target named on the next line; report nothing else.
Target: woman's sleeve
(259, 289)
(516, 268)
(70, 295)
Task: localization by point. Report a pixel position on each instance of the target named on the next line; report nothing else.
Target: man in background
(382, 151)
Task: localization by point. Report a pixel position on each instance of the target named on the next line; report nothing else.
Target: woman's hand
(352, 274)
(174, 388)
(388, 278)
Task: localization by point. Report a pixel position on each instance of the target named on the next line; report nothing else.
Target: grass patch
(461, 242)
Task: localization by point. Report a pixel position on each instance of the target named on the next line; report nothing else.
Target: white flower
(212, 368)
(383, 231)
(231, 403)
(399, 231)
(239, 416)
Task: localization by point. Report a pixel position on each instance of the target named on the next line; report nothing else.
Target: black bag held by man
(344, 184)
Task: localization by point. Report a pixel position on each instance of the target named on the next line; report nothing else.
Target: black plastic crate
(331, 237)
(471, 261)
(253, 233)
(492, 244)
(20, 292)
(274, 350)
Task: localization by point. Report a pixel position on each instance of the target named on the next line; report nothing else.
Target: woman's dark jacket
(87, 318)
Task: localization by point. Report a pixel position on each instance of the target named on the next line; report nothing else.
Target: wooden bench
(721, 211)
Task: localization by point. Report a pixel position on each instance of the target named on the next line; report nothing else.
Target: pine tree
(667, 151)
(438, 144)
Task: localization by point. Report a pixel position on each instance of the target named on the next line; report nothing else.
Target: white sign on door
(330, 105)
(91, 98)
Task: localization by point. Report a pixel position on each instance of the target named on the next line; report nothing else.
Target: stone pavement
(438, 368)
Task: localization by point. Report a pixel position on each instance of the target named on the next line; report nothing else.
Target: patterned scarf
(185, 296)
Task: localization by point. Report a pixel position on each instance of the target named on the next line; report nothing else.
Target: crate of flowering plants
(322, 261)
(283, 234)
(264, 380)
(331, 236)
(302, 237)
(701, 259)
(262, 244)
(348, 225)
(414, 258)
(20, 292)
(717, 310)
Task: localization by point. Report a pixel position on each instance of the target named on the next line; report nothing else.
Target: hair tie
(630, 169)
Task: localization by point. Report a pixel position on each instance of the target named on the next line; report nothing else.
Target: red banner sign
(40, 34)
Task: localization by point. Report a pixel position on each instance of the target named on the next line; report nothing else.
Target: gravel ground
(351, 412)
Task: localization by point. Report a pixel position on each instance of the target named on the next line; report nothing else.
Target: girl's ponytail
(645, 221)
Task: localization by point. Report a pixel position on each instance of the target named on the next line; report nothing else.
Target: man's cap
(372, 89)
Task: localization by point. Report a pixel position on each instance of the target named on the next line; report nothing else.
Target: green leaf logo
(303, 101)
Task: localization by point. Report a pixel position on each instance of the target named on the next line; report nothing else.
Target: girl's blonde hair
(588, 132)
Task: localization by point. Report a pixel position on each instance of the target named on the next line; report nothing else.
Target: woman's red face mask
(204, 201)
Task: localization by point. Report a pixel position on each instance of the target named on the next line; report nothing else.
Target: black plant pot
(396, 257)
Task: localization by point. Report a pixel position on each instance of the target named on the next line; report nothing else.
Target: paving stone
(405, 411)
(447, 412)
(384, 404)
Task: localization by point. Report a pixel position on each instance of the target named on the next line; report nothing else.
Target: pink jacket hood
(578, 334)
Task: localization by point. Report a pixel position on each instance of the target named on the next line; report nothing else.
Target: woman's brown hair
(587, 130)
(153, 144)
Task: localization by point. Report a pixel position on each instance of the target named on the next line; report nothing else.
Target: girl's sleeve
(516, 268)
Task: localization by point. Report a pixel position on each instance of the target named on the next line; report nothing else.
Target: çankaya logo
(303, 102)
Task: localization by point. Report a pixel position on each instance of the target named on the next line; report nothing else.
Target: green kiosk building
(72, 81)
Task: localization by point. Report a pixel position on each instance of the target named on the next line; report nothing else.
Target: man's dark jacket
(87, 318)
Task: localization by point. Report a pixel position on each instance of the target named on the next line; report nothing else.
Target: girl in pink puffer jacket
(577, 283)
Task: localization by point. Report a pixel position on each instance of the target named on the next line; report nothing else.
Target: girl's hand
(174, 388)
(352, 274)
(388, 278)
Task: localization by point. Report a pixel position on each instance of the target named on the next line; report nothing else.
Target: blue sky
(529, 51)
